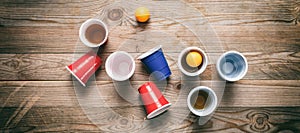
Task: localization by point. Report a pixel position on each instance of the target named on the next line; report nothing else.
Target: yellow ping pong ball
(142, 14)
(194, 59)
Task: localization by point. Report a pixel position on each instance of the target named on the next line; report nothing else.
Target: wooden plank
(245, 93)
(244, 7)
(53, 13)
(72, 119)
(39, 38)
(248, 28)
(259, 11)
(43, 119)
(52, 66)
(251, 120)
(74, 11)
(64, 39)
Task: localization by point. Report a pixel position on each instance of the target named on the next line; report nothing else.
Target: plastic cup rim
(109, 71)
(240, 75)
(149, 52)
(201, 70)
(82, 32)
(202, 113)
(158, 111)
(75, 76)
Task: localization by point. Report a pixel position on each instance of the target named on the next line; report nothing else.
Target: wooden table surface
(39, 38)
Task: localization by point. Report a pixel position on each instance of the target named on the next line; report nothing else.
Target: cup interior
(210, 104)
(232, 66)
(93, 33)
(188, 70)
(120, 66)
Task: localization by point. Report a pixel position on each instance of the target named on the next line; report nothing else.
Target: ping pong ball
(193, 59)
(142, 14)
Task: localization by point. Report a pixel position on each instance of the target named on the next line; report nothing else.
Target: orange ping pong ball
(142, 14)
(194, 59)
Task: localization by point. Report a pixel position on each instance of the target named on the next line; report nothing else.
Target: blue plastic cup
(156, 63)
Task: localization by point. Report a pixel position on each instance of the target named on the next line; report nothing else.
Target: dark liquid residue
(201, 100)
(95, 33)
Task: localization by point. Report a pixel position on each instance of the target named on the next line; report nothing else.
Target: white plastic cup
(93, 33)
(210, 104)
(232, 66)
(120, 66)
(185, 68)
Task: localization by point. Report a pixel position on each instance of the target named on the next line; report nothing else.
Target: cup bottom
(210, 103)
(162, 76)
(232, 66)
(228, 68)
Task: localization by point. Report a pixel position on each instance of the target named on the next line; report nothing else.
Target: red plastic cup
(154, 102)
(85, 67)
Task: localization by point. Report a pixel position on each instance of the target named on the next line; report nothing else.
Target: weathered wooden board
(281, 65)
(246, 93)
(239, 27)
(39, 38)
(72, 119)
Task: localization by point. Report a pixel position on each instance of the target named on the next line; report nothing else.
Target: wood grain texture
(39, 38)
(63, 39)
(72, 119)
(281, 66)
(242, 26)
(245, 93)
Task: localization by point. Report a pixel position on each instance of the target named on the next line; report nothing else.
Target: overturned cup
(156, 63)
(83, 68)
(232, 66)
(154, 101)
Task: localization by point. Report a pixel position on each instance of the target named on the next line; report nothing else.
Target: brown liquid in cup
(95, 33)
(201, 100)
